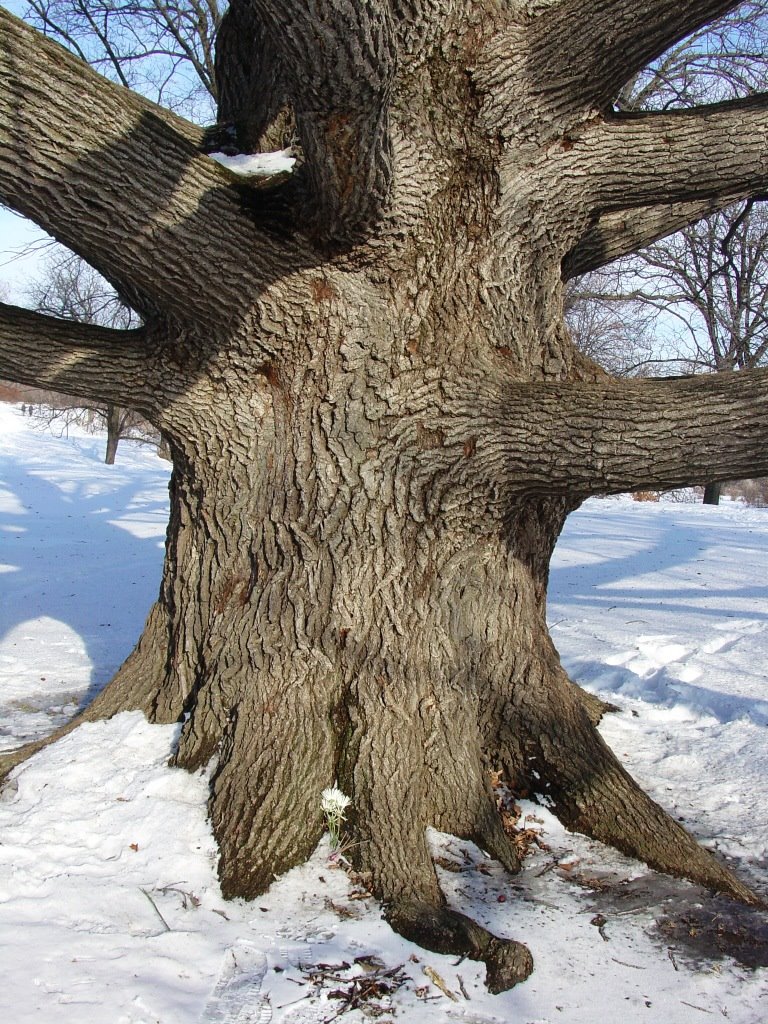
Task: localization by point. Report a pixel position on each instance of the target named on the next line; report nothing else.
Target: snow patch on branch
(260, 165)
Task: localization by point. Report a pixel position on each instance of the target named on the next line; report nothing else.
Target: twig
(671, 955)
(461, 986)
(693, 1006)
(293, 1002)
(547, 868)
(438, 982)
(634, 910)
(154, 907)
(186, 897)
(623, 963)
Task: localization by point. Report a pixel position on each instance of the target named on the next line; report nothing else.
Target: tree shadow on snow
(662, 688)
(653, 544)
(670, 552)
(71, 562)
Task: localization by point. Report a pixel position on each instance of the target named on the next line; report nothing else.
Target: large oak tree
(378, 420)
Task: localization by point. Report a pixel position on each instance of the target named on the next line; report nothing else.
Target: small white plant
(334, 803)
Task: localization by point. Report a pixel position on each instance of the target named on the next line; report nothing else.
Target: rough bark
(620, 233)
(377, 419)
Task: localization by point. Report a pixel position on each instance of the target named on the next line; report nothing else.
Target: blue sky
(22, 244)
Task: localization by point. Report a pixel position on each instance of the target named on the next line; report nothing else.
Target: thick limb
(623, 232)
(338, 61)
(67, 138)
(590, 51)
(715, 152)
(571, 60)
(624, 434)
(251, 87)
(85, 360)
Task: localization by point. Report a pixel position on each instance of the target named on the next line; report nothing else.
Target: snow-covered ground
(110, 912)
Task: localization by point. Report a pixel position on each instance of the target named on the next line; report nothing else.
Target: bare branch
(70, 145)
(162, 48)
(88, 361)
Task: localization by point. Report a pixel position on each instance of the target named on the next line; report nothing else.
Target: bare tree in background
(711, 279)
(162, 48)
(725, 59)
(68, 287)
(617, 335)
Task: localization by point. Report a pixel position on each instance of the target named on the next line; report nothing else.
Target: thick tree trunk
(377, 420)
(350, 595)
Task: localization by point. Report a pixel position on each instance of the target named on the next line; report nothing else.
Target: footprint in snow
(236, 998)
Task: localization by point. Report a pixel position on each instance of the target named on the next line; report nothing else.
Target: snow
(110, 911)
(257, 164)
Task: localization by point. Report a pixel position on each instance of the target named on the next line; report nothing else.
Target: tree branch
(338, 62)
(620, 233)
(249, 83)
(123, 183)
(717, 152)
(582, 54)
(88, 361)
(628, 434)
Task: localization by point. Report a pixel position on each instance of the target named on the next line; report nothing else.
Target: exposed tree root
(594, 706)
(276, 758)
(567, 761)
(446, 931)
(492, 838)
